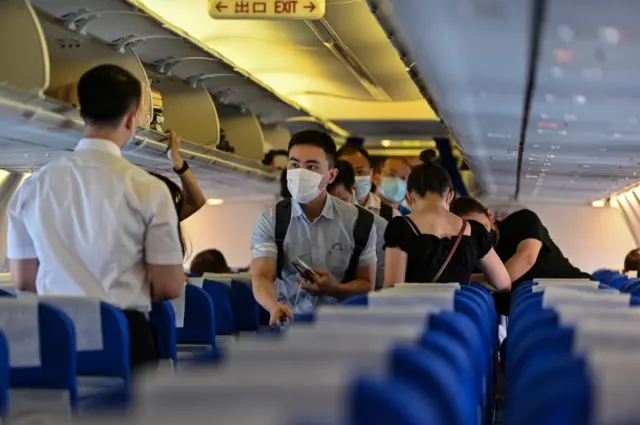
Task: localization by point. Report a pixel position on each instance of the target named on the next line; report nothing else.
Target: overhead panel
(472, 56)
(584, 127)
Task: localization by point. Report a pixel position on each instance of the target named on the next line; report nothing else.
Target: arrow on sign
(310, 7)
(220, 7)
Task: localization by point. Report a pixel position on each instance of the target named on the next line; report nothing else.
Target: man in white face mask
(318, 229)
(344, 187)
(358, 157)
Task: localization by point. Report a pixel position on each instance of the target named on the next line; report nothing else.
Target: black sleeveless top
(427, 253)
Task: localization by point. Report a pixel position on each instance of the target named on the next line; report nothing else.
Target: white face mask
(303, 185)
(363, 186)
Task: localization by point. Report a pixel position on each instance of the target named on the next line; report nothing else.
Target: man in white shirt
(93, 224)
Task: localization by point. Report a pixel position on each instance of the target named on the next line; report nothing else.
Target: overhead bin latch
(128, 43)
(164, 66)
(197, 80)
(77, 22)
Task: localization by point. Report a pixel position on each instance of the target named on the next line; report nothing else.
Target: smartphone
(305, 271)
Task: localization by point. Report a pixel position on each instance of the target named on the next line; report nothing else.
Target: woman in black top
(417, 245)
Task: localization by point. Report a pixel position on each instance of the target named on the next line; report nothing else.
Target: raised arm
(194, 199)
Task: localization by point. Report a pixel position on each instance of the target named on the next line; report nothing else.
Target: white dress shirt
(94, 220)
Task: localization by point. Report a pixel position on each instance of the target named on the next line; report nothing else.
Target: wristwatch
(183, 169)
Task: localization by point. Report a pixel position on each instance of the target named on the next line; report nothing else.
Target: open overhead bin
(243, 132)
(38, 106)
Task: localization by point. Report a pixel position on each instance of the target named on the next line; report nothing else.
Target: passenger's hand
(324, 280)
(174, 149)
(280, 313)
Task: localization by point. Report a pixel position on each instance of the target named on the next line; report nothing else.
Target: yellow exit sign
(267, 9)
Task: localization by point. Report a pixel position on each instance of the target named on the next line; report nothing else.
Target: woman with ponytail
(433, 245)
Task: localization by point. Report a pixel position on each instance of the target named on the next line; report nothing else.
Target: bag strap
(361, 232)
(283, 218)
(386, 212)
(453, 251)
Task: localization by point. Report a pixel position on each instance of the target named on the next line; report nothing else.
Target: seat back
(199, 318)
(163, 319)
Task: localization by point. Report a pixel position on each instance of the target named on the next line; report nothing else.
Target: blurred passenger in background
(523, 243)
(344, 187)
(359, 159)
(391, 186)
(632, 261)
(209, 261)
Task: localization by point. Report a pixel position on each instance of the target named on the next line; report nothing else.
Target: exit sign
(267, 9)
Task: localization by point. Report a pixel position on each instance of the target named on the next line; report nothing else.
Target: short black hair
(106, 94)
(465, 205)
(351, 149)
(382, 161)
(429, 177)
(632, 261)
(209, 261)
(318, 139)
(346, 176)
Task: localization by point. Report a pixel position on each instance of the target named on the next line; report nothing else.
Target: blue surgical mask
(363, 186)
(393, 189)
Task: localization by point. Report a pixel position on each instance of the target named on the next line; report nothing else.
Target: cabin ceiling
(540, 95)
(366, 90)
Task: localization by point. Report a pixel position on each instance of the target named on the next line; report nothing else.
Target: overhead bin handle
(129, 42)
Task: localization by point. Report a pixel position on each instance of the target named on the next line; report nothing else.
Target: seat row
(410, 355)
(573, 353)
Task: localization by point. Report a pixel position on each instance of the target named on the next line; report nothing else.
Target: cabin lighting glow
(215, 201)
(386, 143)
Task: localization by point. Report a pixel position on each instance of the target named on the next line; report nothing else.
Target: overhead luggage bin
(25, 63)
(38, 99)
(189, 111)
(243, 132)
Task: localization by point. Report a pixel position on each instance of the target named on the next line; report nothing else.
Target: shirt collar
(102, 145)
(373, 202)
(327, 210)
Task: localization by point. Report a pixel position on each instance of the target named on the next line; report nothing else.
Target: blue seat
(4, 376)
(555, 391)
(163, 320)
(462, 360)
(246, 309)
(436, 380)
(221, 296)
(357, 300)
(58, 357)
(199, 319)
(113, 359)
(391, 401)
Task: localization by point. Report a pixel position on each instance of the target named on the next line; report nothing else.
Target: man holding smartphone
(322, 231)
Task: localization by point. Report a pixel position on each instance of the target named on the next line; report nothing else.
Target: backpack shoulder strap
(386, 212)
(361, 232)
(283, 217)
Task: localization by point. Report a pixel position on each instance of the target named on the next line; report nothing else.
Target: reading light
(386, 143)
(215, 201)
(598, 204)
